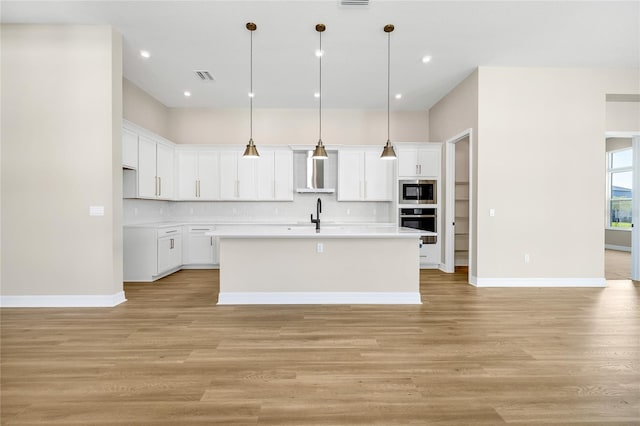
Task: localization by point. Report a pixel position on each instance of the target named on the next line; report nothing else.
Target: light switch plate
(96, 210)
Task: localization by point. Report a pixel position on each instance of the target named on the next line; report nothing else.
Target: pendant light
(388, 153)
(251, 151)
(320, 152)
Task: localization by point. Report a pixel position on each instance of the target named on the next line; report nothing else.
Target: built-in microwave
(417, 192)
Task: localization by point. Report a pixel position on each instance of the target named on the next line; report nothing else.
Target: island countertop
(328, 231)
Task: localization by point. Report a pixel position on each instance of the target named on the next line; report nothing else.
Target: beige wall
(141, 108)
(623, 116)
(616, 237)
(540, 130)
(453, 114)
(294, 126)
(60, 153)
(270, 126)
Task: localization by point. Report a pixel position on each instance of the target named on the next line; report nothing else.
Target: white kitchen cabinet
(155, 169)
(266, 178)
(198, 175)
(363, 176)
(169, 253)
(199, 249)
(129, 149)
(283, 175)
(237, 176)
(422, 161)
(150, 252)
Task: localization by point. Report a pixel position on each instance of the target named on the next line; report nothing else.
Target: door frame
(635, 202)
(450, 246)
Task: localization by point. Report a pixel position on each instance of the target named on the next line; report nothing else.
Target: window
(619, 191)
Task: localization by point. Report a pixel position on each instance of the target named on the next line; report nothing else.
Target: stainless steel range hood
(315, 176)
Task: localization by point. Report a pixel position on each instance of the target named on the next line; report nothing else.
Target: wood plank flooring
(617, 265)
(170, 356)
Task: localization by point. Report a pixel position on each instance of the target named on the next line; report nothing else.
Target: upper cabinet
(155, 169)
(198, 175)
(129, 149)
(420, 161)
(267, 178)
(363, 176)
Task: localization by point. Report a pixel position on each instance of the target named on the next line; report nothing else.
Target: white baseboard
(63, 301)
(473, 280)
(619, 248)
(539, 282)
(318, 298)
(199, 266)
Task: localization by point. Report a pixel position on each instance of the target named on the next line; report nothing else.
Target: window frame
(610, 171)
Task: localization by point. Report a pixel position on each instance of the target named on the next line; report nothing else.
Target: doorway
(459, 203)
(622, 227)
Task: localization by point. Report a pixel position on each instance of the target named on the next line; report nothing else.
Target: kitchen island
(337, 265)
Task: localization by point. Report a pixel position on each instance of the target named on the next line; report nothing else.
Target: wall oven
(417, 192)
(420, 218)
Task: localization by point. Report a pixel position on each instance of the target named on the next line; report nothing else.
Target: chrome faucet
(318, 211)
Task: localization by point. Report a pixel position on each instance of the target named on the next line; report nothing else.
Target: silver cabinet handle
(417, 170)
(159, 186)
(211, 241)
(196, 189)
(155, 179)
(171, 244)
(365, 189)
(237, 189)
(199, 192)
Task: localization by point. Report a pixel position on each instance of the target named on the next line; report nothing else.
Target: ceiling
(183, 36)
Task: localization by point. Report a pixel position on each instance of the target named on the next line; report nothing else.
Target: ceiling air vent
(204, 75)
(354, 2)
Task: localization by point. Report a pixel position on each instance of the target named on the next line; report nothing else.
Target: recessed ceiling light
(251, 94)
(398, 95)
(145, 54)
(187, 93)
(316, 95)
(426, 59)
(319, 53)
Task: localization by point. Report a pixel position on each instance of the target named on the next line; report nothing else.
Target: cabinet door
(147, 168)
(209, 175)
(129, 149)
(429, 162)
(407, 162)
(187, 175)
(350, 176)
(283, 175)
(164, 253)
(200, 249)
(378, 177)
(228, 175)
(247, 167)
(265, 175)
(164, 167)
(175, 253)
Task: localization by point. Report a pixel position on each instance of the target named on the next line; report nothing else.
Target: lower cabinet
(151, 252)
(199, 248)
(169, 253)
(430, 255)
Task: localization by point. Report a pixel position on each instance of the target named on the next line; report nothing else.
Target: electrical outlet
(526, 258)
(320, 248)
(492, 212)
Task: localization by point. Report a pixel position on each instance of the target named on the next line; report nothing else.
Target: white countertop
(326, 231)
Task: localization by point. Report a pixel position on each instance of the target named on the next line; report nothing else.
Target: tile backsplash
(140, 211)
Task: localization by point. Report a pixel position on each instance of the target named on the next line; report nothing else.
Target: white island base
(319, 269)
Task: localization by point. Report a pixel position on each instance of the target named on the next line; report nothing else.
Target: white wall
(453, 114)
(541, 130)
(60, 152)
(143, 109)
(623, 116)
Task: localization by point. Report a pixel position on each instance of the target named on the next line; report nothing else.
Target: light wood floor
(170, 356)
(617, 265)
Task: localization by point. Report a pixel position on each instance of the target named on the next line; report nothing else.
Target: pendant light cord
(320, 92)
(251, 90)
(388, 82)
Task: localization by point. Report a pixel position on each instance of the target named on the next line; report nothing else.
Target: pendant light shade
(320, 152)
(251, 151)
(388, 153)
